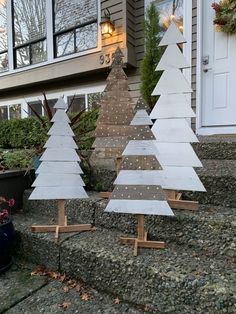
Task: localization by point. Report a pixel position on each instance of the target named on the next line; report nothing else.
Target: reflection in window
(169, 9)
(76, 103)
(75, 26)
(94, 100)
(35, 106)
(3, 36)
(15, 111)
(3, 113)
(29, 31)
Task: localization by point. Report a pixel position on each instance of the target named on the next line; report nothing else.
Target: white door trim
(199, 128)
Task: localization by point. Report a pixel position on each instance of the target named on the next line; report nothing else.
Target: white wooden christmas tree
(138, 187)
(171, 128)
(59, 174)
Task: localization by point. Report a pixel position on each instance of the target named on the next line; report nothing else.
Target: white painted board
(60, 104)
(139, 177)
(172, 106)
(174, 178)
(173, 131)
(58, 193)
(61, 128)
(56, 141)
(140, 148)
(69, 167)
(146, 207)
(52, 154)
(141, 118)
(172, 58)
(172, 81)
(60, 116)
(177, 154)
(61, 179)
(172, 36)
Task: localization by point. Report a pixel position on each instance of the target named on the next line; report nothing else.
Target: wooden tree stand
(175, 201)
(141, 240)
(62, 226)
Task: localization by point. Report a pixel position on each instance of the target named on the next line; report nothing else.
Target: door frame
(202, 130)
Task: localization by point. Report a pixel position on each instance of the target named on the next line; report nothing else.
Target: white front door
(218, 92)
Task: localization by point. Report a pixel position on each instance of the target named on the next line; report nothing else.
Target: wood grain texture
(140, 163)
(61, 179)
(113, 142)
(60, 142)
(172, 36)
(140, 147)
(59, 167)
(139, 177)
(52, 154)
(58, 192)
(138, 192)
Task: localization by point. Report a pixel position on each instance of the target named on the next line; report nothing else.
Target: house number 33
(105, 58)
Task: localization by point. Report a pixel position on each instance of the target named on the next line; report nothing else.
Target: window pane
(39, 52)
(15, 111)
(86, 37)
(65, 44)
(3, 25)
(37, 106)
(3, 113)
(94, 100)
(72, 13)
(166, 8)
(29, 20)
(3, 62)
(51, 103)
(78, 103)
(22, 57)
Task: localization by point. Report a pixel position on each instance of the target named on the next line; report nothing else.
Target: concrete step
(216, 147)
(183, 278)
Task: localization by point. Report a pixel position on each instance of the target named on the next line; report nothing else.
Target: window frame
(49, 41)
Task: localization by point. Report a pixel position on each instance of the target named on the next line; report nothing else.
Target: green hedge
(16, 159)
(22, 133)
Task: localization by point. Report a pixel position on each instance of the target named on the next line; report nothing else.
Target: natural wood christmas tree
(172, 131)
(115, 114)
(137, 187)
(59, 173)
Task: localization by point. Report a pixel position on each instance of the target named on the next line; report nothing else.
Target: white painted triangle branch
(60, 116)
(141, 118)
(52, 154)
(139, 177)
(140, 148)
(172, 36)
(56, 141)
(172, 58)
(61, 128)
(58, 193)
(172, 81)
(147, 207)
(69, 167)
(60, 179)
(177, 154)
(60, 104)
(172, 106)
(173, 131)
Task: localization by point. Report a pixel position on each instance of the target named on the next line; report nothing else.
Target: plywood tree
(172, 131)
(115, 115)
(59, 173)
(138, 187)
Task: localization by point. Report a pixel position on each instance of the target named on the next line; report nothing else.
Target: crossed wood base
(141, 240)
(175, 201)
(62, 226)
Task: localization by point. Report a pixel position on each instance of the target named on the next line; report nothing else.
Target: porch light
(107, 27)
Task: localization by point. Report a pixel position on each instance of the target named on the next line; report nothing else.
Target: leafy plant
(152, 55)
(16, 159)
(225, 19)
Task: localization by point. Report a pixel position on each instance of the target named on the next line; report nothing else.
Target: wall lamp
(107, 27)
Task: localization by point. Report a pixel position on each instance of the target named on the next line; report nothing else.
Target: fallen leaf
(65, 289)
(84, 297)
(117, 301)
(77, 288)
(65, 305)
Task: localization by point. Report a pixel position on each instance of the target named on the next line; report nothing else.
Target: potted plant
(7, 233)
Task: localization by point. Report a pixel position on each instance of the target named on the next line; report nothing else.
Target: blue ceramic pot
(7, 237)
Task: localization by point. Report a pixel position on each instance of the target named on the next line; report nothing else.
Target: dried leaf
(65, 289)
(77, 288)
(84, 297)
(65, 305)
(117, 301)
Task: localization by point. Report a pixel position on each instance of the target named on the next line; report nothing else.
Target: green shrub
(16, 159)
(22, 133)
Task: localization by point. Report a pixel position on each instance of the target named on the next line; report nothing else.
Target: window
(94, 100)
(3, 37)
(75, 26)
(3, 113)
(36, 106)
(15, 111)
(29, 32)
(76, 103)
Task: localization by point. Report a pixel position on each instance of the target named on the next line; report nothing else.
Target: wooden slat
(141, 118)
(111, 142)
(60, 104)
(60, 116)
(182, 204)
(172, 58)
(64, 229)
(172, 36)
(61, 179)
(138, 192)
(61, 128)
(60, 142)
(140, 148)
(59, 192)
(52, 154)
(140, 163)
(59, 167)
